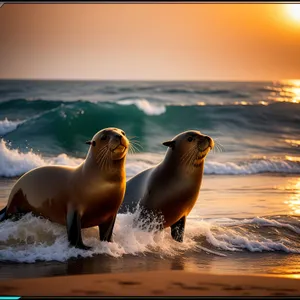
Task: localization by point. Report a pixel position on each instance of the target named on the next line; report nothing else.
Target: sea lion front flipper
(74, 230)
(177, 230)
(106, 230)
(3, 214)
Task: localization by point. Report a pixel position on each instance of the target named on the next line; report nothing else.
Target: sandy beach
(157, 283)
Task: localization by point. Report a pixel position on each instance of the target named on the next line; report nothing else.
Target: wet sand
(153, 283)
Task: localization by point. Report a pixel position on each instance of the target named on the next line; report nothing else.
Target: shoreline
(153, 283)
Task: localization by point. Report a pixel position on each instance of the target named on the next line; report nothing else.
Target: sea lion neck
(112, 170)
(174, 163)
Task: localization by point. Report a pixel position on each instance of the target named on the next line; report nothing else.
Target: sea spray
(33, 239)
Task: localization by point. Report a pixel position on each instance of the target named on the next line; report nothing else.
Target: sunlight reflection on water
(285, 91)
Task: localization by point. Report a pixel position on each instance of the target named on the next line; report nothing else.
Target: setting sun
(294, 11)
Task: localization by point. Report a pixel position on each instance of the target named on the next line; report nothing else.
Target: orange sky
(149, 41)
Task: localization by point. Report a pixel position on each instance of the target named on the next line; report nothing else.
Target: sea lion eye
(104, 137)
(123, 133)
(190, 139)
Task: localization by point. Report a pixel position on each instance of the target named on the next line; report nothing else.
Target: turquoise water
(246, 219)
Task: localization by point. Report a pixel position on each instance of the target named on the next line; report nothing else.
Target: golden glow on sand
(292, 158)
(294, 11)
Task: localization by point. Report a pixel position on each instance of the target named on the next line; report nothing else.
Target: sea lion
(169, 190)
(79, 197)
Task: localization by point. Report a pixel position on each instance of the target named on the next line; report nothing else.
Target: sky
(232, 42)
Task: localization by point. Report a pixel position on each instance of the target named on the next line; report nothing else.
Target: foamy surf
(253, 167)
(33, 239)
(7, 126)
(13, 163)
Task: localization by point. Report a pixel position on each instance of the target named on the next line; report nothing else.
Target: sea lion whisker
(100, 160)
(108, 163)
(135, 148)
(136, 143)
(133, 139)
(101, 150)
(106, 167)
(131, 149)
(191, 157)
(186, 155)
(103, 161)
(186, 160)
(217, 143)
(100, 157)
(219, 146)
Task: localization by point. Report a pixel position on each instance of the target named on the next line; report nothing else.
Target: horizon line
(148, 80)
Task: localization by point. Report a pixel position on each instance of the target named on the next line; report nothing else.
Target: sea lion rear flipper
(3, 214)
(74, 230)
(106, 230)
(177, 230)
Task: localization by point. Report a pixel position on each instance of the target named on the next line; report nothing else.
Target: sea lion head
(109, 143)
(190, 147)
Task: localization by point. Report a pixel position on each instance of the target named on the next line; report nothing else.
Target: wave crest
(144, 105)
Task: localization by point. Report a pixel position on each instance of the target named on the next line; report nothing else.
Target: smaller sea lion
(169, 190)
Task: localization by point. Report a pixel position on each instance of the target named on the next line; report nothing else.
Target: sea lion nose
(119, 136)
(208, 139)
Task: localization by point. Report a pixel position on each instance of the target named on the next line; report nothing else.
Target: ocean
(247, 217)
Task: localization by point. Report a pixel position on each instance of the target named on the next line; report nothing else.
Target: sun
(294, 11)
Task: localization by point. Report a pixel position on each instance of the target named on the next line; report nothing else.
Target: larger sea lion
(78, 197)
(169, 190)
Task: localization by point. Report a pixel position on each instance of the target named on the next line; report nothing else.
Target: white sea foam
(7, 126)
(145, 106)
(272, 223)
(15, 163)
(140, 162)
(252, 167)
(32, 239)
